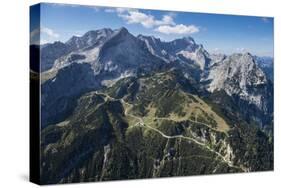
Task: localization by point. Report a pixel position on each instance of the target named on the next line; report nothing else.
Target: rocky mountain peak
(118, 52)
(89, 39)
(239, 75)
(189, 39)
(150, 39)
(108, 89)
(122, 31)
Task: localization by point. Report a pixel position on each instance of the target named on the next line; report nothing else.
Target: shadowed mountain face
(59, 94)
(115, 106)
(266, 64)
(50, 52)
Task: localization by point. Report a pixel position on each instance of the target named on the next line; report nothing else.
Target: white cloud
(119, 10)
(34, 33)
(123, 10)
(265, 20)
(167, 19)
(44, 32)
(35, 36)
(177, 29)
(165, 25)
(146, 20)
(43, 41)
(49, 32)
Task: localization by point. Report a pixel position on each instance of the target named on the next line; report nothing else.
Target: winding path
(142, 124)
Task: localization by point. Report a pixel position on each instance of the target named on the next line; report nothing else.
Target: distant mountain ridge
(115, 54)
(118, 106)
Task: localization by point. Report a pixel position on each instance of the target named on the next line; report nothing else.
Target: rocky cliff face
(50, 52)
(266, 64)
(184, 50)
(152, 126)
(115, 54)
(241, 78)
(89, 39)
(115, 106)
(239, 75)
(59, 94)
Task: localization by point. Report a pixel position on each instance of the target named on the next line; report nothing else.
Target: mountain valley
(118, 106)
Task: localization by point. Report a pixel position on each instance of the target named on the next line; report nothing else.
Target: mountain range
(119, 106)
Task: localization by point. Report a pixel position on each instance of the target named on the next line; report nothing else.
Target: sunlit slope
(155, 125)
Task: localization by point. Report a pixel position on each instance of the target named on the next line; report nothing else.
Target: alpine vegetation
(117, 105)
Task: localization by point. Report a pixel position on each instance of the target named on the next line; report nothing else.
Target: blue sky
(218, 33)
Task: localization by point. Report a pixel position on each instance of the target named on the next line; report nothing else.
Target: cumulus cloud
(146, 20)
(35, 35)
(166, 25)
(49, 32)
(177, 29)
